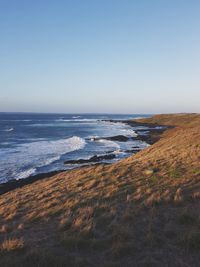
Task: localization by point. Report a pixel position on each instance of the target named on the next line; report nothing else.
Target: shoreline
(150, 138)
(149, 200)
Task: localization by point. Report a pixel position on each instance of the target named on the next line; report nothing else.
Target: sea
(33, 143)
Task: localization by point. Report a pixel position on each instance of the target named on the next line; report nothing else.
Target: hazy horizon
(109, 56)
(93, 113)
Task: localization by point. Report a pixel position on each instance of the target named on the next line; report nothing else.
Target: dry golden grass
(12, 244)
(135, 212)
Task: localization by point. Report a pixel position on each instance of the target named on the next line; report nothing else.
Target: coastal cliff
(141, 211)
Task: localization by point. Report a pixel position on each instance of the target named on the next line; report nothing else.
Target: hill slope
(141, 211)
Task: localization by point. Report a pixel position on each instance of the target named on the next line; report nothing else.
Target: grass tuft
(12, 244)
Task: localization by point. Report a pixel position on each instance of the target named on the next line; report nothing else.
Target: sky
(102, 56)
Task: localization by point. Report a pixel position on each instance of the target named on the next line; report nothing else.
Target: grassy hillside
(141, 211)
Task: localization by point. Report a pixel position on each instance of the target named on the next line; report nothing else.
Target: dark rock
(120, 138)
(134, 123)
(91, 160)
(150, 135)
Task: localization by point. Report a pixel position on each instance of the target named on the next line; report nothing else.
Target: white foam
(26, 173)
(86, 120)
(118, 151)
(58, 147)
(32, 155)
(129, 132)
(76, 117)
(41, 125)
(63, 120)
(31, 171)
(8, 130)
(50, 160)
(5, 143)
(93, 137)
(16, 120)
(77, 120)
(109, 143)
(120, 128)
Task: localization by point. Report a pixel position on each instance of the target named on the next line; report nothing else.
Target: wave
(57, 147)
(76, 117)
(5, 143)
(25, 159)
(60, 120)
(31, 171)
(87, 120)
(25, 174)
(77, 120)
(50, 160)
(93, 137)
(118, 151)
(120, 128)
(108, 143)
(8, 130)
(129, 132)
(114, 123)
(16, 120)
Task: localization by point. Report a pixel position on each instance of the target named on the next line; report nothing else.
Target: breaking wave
(77, 120)
(31, 156)
(25, 174)
(8, 130)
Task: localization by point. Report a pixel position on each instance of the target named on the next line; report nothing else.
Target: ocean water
(36, 143)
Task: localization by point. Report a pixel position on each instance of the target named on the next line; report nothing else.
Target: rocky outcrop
(119, 138)
(91, 160)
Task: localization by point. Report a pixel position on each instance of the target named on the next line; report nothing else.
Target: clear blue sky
(115, 56)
